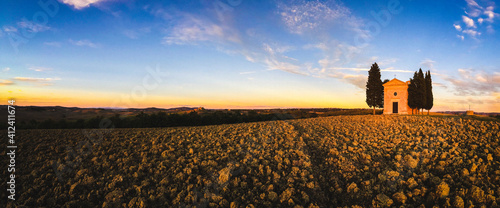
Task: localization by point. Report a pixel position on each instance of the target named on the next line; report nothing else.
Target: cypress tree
(421, 91)
(374, 88)
(429, 95)
(412, 93)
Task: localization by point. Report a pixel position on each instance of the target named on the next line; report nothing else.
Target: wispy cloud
(248, 72)
(474, 82)
(384, 62)
(463, 103)
(80, 4)
(32, 79)
(472, 33)
(86, 43)
(472, 3)
(39, 69)
(53, 44)
(6, 69)
(365, 69)
(437, 84)
(9, 29)
(4, 82)
(357, 80)
(136, 33)
(490, 14)
(275, 64)
(301, 16)
(477, 13)
(396, 70)
(427, 63)
(31, 26)
(37, 81)
(490, 29)
(192, 29)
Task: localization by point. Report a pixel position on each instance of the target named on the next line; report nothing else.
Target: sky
(245, 53)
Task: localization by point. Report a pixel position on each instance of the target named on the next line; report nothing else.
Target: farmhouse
(396, 97)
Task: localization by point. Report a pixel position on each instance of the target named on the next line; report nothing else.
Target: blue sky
(245, 54)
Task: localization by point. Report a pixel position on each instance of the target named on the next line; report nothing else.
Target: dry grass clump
(343, 161)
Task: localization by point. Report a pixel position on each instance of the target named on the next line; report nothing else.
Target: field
(340, 161)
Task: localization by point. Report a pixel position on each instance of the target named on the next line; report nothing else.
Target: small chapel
(396, 97)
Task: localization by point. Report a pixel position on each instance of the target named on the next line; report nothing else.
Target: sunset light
(299, 54)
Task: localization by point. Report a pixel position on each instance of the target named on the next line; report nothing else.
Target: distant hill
(58, 117)
(40, 113)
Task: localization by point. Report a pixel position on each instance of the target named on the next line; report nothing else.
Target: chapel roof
(395, 82)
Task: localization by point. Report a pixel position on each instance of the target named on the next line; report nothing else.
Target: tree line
(152, 120)
(419, 90)
(163, 119)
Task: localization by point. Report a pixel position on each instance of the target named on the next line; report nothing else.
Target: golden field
(341, 161)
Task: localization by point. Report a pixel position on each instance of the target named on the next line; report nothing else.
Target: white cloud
(274, 64)
(32, 79)
(474, 82)
(130, 34)
(357, 69)
(437, 84)
(6, 69)
(465, 73)
(474, 10)
(429, 64)
(357, 80)
(53, 44)
(208, 27)
(391, 69)
(384, 62)
(193, 29)
(483, 14)
(9, 29)
(320, 46)
(490, 14)
(39, 69)
(37, 81)
(301, 16)
(87, 43)
(472, 33)
(468, 21)
(32, 27)
(472, 3)
(490, 29)
(248, 72)
(80, 4)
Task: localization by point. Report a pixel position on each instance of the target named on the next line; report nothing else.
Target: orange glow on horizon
(33, 96)
(85, 99)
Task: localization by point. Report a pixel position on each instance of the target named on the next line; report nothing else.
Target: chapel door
(395, 107)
